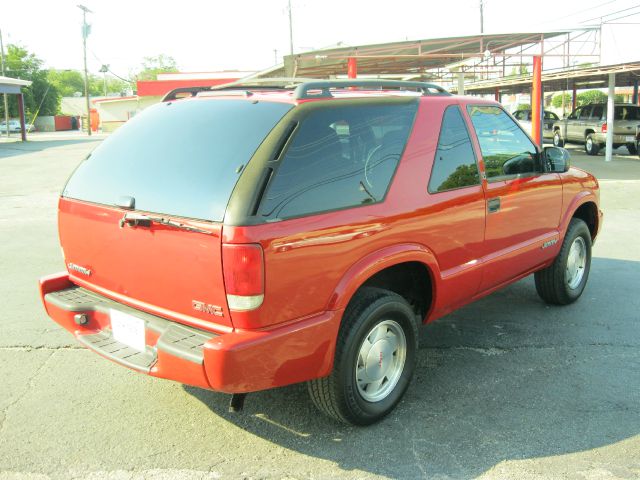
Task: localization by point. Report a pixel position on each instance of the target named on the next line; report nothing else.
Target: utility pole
(481, 17)
(6, 102)
(104, 69)
(290, 30)
(85, 33)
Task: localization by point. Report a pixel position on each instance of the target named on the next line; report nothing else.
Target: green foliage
(19, 63)
(462, 176)
(556, 101)
(519, 70)
(71, 83)
(152, 66)
(584, 98)
(523, 106)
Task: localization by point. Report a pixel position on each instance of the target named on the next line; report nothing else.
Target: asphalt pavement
(506, 388)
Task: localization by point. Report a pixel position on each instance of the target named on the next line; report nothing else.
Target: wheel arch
(379, 267)
(585, 207)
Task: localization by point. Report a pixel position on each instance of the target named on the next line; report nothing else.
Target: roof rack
(322, 88)
(284, 83)
(307, 88)
(192, 91)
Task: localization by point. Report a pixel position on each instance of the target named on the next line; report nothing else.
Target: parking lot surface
(506, 388)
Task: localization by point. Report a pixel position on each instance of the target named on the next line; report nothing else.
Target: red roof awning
(158, 88)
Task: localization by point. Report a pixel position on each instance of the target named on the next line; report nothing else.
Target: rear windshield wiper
(138, 220)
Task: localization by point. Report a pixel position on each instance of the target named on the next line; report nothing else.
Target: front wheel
(374, 359)
(564, 280)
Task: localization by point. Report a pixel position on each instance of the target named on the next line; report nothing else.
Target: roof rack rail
(324, 87)
(276, 83)
(192, 91)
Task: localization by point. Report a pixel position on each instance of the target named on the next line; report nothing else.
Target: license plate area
(128, 329)
(629, 138)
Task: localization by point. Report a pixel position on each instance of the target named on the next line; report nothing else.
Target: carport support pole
(574, 97)
(536, 100)
(352, 67)
(496, 95)
(461, 83)
(610, 110)
(634, 99)
(23, 130)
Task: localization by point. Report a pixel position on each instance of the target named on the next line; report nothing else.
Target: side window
(339, 157)
(518, 115)
(585, 113)
(506, 150)
(454, 165)
(597, 112)
(574, 114)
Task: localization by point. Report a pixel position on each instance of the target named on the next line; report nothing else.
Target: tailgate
(161, 269)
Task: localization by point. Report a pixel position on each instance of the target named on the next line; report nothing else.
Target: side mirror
(556, 159)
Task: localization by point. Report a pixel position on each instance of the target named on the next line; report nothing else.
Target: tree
(152, 66)
(70, 83)
(584, 98)
(41, 97)
(556, 101)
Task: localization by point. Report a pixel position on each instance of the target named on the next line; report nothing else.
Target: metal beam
(610, 113)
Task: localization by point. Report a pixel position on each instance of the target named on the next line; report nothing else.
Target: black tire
(557, 139)
(632, 148)
(590, 145)
(339, 395)
(552, 283)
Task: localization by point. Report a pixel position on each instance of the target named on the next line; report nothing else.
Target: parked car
(524, 119)
(588, 125)
(14, 127)
(245, 239)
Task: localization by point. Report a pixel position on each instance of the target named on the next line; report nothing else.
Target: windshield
(178, 158)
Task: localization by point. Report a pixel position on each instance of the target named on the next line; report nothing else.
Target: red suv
(252, 237)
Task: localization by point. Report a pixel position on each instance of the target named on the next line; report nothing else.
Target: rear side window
(626, 112)
(178, 158)
(506, 150)
(454, 165)
(339, 157)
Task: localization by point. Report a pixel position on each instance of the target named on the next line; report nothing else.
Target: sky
(243, 34)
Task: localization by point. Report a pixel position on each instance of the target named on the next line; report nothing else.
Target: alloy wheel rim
(380, 361)
(576, 263)
(589, 144)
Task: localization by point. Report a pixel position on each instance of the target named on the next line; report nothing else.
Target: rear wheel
(374, 359)
(564, 280)
(632, 148)
(590, 145)
(557, 139)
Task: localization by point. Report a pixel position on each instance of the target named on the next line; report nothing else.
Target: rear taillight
(604, 128)
(243, 266)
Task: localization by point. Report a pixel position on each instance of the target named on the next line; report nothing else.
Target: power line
(600, 17)
(581, 12)
(109, 70)
(624, 16)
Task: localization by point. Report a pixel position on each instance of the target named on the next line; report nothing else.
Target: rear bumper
(617, 139)
(235, 362)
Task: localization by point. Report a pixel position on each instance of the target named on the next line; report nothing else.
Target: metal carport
(14, 86)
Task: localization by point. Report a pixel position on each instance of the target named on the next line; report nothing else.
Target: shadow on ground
(11, 149)
(505, 378)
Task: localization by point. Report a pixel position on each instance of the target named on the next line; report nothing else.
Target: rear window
(177, 158)
(339, 157)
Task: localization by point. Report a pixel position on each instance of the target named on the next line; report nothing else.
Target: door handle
(493, 204)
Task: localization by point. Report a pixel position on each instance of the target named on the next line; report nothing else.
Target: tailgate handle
(494, 204)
